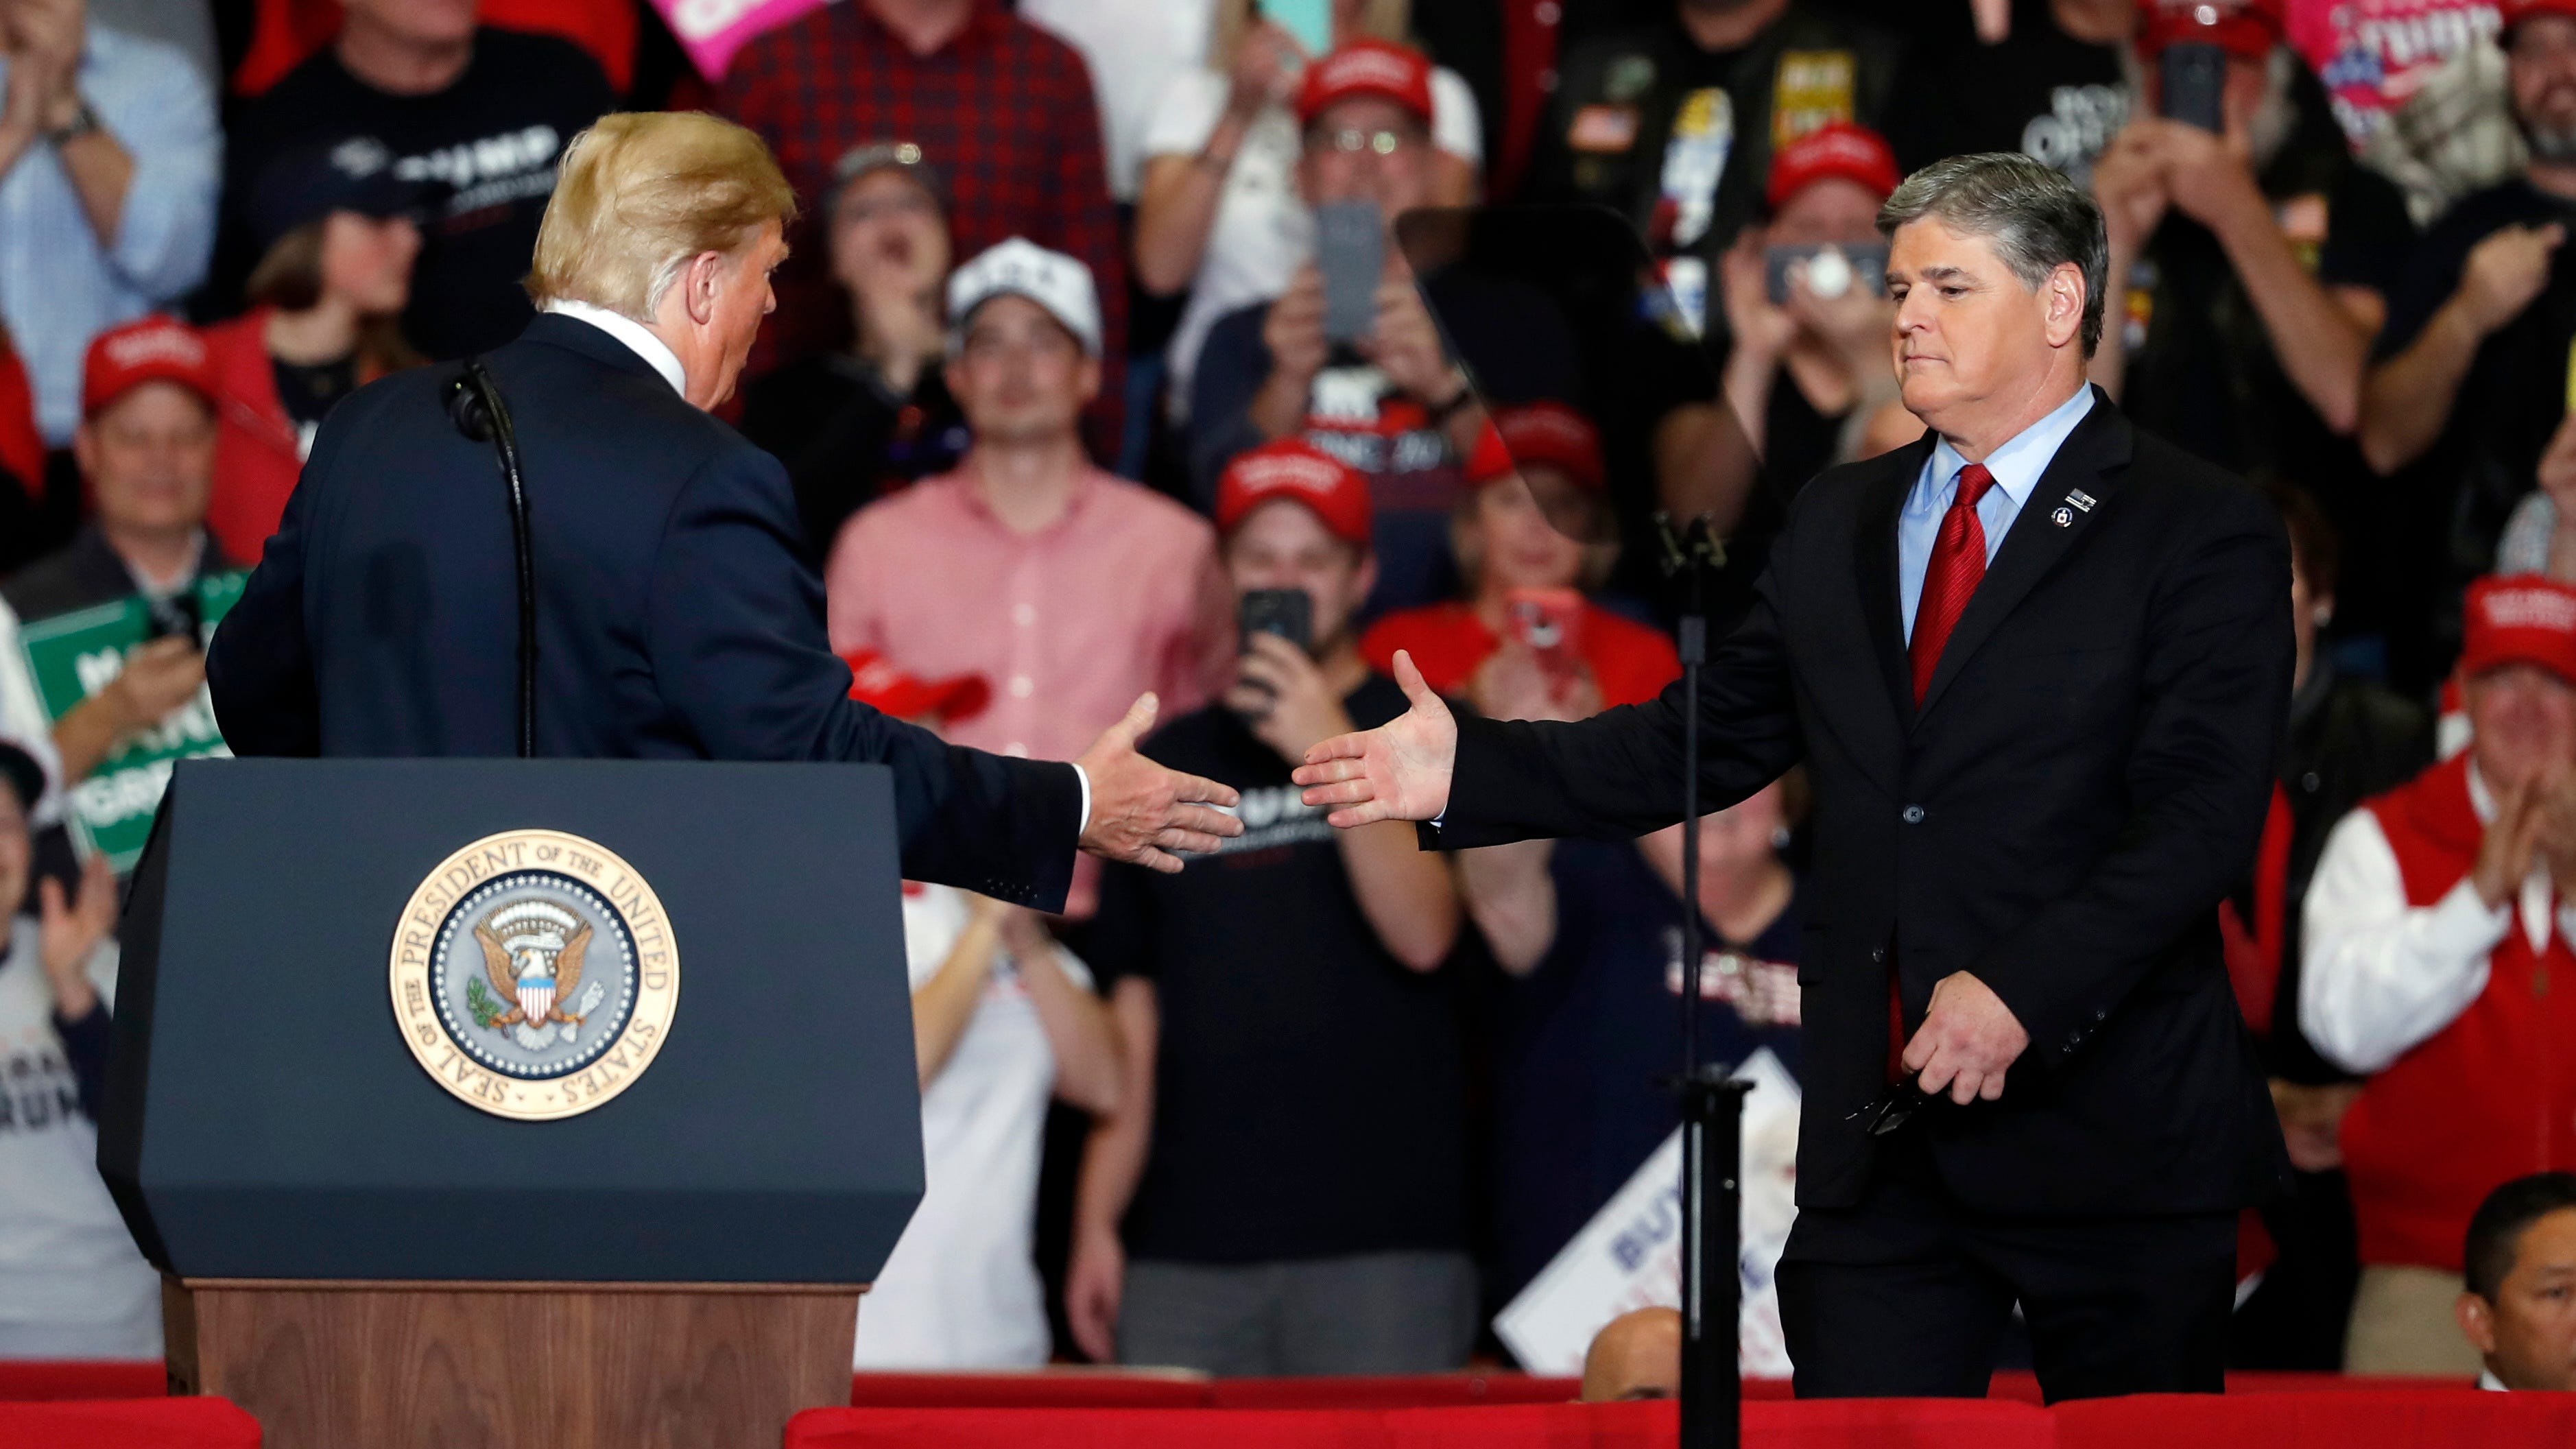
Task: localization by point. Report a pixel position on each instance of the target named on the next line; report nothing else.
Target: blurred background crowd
(1102, 363)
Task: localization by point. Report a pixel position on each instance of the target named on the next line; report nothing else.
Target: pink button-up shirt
(1121, 594)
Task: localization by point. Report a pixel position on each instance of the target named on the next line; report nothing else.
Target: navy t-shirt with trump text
(1308, 1095)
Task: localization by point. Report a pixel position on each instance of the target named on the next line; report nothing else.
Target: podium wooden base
(503, 1365)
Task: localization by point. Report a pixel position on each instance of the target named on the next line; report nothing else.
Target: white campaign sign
(1630, 1255)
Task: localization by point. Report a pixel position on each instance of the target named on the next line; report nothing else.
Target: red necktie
(1958, 561)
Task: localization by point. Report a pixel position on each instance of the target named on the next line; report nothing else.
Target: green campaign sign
(73, 656)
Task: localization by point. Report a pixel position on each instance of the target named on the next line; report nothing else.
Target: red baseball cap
(2247, 29)
(154, 348)
(1292, 468)
(1546, 433)
(1366, 68)
(2520, 619)
(1835, 149)
(875, 681)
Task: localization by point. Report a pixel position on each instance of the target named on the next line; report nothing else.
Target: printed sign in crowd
(1630, 1255)
(72, 657)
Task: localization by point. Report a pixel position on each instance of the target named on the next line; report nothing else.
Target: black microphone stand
(1712, 1105)
(475, 406)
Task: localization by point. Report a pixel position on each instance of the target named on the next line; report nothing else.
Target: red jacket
(1631, 662)
(2489, 1097)
(257, 454)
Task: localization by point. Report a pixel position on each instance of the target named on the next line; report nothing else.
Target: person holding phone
(2251, 262)
(1316, 1223)
(1217, 211)
(146, 448)
(1524, 624)
(1348, 356)
(1807, 312)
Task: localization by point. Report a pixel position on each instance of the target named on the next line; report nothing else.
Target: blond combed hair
(639, 194)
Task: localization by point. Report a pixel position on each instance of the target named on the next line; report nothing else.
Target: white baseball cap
(1021, 268)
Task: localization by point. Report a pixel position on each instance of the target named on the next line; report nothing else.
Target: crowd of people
(1079, 396)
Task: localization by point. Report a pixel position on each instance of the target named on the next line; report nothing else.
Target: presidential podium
(515, 1102)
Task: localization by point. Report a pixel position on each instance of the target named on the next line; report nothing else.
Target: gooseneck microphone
(475, 406)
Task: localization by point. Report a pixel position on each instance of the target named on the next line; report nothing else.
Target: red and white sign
(712, 30)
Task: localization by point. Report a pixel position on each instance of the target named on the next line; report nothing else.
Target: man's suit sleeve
(735, 618)
(1617, 775)
(259, 666)
(2215, 686)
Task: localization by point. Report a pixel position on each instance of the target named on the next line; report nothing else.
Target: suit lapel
(1874, 565)
(2091, 459)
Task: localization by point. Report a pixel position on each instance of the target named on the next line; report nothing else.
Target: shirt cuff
(2462, 925)
(1085, 781)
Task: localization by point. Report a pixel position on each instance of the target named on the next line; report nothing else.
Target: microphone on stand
(1712, 1105)
(476, 407)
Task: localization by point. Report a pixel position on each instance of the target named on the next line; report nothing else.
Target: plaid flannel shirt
(1004, 110)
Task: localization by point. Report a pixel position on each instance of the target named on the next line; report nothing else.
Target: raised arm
(2407, 399)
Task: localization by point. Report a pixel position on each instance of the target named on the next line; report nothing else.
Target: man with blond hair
(675, 616)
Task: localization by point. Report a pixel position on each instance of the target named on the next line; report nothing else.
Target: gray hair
(2036, 219)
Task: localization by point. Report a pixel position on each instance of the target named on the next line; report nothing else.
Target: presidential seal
(534, 975)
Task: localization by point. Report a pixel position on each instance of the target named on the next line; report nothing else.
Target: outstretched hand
(1398, 771)
(1143, 814)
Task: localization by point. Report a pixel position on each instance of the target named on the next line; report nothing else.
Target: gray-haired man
(2036, 665)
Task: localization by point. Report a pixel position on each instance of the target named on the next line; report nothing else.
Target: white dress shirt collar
(638, 338)
(2016, 465)
(2488, 1381)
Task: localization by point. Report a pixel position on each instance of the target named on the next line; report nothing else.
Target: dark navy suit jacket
(677, 615)
(2084, 780)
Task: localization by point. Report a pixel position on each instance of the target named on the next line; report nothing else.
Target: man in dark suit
(2037, 666)
(676, 616)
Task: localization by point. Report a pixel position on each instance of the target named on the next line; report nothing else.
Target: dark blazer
(676, 616)
(2086, 778)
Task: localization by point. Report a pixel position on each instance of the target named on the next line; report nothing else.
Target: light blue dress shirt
(58, 286)
(2016, 466)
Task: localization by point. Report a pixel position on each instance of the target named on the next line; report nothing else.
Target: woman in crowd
(337, 244)
(71, 1283)
(1217, 213)
(1537, 467)
(855, 424)
(1003, 1019)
